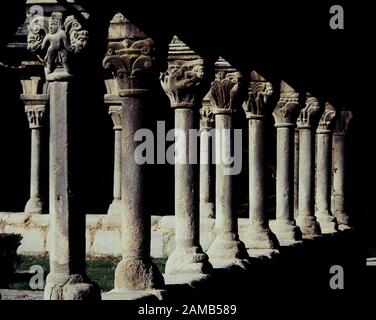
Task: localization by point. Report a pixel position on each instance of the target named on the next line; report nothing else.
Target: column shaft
(258, 235)
(323, 182)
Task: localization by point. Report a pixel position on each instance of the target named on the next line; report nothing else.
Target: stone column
(328, 222)
(113, 101)
(67, 279)
(130, 59)
(35, 98)
(285, 115)
(339, 167)
(306, 219)
(223, 94)
(296, 172)
(206, 143)
(183, 84)
(259, 235)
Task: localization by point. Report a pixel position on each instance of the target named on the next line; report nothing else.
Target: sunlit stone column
(285, 114)
(306, 219)
(328, 222)
(113, 101)
(67, 279)
(259, 235)
(206, 157)
(224, 92)
(130, 59)
(339, 169)
(35, 98)
(183, 84)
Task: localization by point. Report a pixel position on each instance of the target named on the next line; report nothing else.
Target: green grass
(100, 270)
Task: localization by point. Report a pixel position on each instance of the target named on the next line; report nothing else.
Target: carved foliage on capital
(326, 120)
(308, 113)
(57, 38)
(35, 115)
(181, 82)
(259, 94)
(130, 60)
(287, 107)
(343, 122)
(224, 91)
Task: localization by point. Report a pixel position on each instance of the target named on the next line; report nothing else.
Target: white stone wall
(102, 233)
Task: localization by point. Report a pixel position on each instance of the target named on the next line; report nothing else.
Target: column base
(328, 223)
(61, 286)
(34, 206)
(227, 250)
(342, 218)
(138, 295)
(207, 210)
(115, 207)
(260, 238)
(188, 260)
(286, 231)
(134, 274)
(308, 225)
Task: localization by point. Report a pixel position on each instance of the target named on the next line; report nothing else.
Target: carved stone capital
(182, 82)
(285, 112)
(259, 93)
(343, 121)
(326, 120)
(115, 111)
(35, 108)
(129, 58)
(308, 113)
(225, 88)
(206, 114)
(56, 39)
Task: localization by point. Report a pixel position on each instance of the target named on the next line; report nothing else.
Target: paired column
(259, 235)
(285, 114)
(224, 92)
(183, 84)
(35, 98)
(130, 59)
(113, 101)
(206, 159)
(67, 279)
(328, 222)
(339, 169)
(306, 219)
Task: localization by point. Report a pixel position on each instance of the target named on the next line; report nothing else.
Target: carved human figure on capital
(57, 39)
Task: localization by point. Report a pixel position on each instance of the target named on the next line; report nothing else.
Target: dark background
(288, 40)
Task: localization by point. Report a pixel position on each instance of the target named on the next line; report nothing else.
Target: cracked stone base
(328, 223)
(188, 260)
(227, 250)
(115, 207)
(34, 206)
(308, 225)
(137, 274)
(286, 231)
(70, 287)
(260, 238)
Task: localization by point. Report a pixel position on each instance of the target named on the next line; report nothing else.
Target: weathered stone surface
(107, 243)
(157, 244)
(167, 223)
(33, 241)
